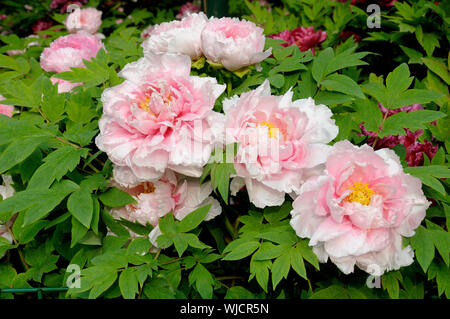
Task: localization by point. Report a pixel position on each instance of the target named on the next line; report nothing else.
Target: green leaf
(52, 103)
(18, 151)
(297, 262)
(115, 259)
(320, 64)
(414, 120)
(242, 250)
(280, 268)
(81, 207)
(128, 283)
(193, 219)
(437, 67)
(331, 292)
(78, 232)
(414, 96)
(95, 72)
(398, 80)
(414, 56)
(239, 292)
(112, 224)
(345, 59)
(57, 164)
(37, 202)
(342, 83)
(203, 281)
(80, 109)
(20, 93)
(390, 282)
(260, 270)
(424, 247)
(378, 91)
(115, 197)
(277, 80)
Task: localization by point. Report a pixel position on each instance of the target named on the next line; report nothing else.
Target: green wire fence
(39, 291)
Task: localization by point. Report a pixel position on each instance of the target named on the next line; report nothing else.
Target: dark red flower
(42, 25)
(414, 148)
(304, 38)
(347, 34)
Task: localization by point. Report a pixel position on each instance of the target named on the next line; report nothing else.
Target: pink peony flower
(171, 193)
(304, 38)
(233, 43)
(6, 109)
(281, 142)
(69, 51)
(89, 20)
(186, 9)
(160, 117)
(181, 37)
(358, 209)
(414, 148)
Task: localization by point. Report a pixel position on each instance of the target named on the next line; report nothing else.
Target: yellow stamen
(273, 130)
(361, 193)
(148, 187)
(145, 103)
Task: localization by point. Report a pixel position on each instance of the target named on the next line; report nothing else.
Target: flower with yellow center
(361, 193)
(273, 130)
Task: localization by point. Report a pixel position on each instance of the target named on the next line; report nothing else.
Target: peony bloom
(414, 148)
(358, 209)
(182, 37)
(160, 117)
(187, 9)
(281, 142)
(6, 109)
(304, 38)
(69, 51)
(233, 43)
(89, 20)
(171, 193)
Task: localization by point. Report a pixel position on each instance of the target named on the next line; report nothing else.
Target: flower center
(361, 193)
(273, 130)
(146, 103)
(148, 187)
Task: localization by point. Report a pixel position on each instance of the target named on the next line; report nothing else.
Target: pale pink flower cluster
(230, 42)
(357, 210)
(67, 52)
(87, 20)
(159, 129)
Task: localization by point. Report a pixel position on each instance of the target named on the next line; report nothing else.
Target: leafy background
(61, 179)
